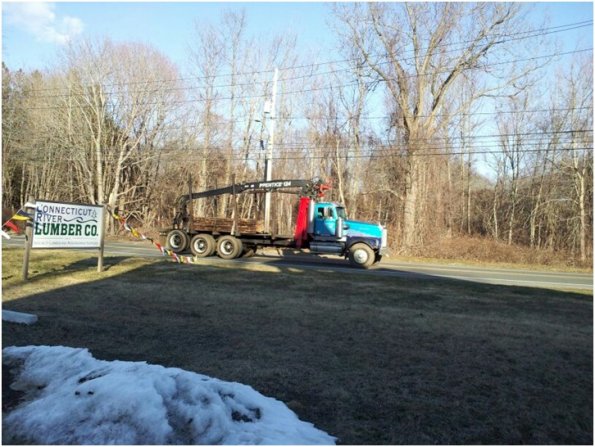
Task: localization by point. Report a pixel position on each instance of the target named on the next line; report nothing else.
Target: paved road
(516, 277)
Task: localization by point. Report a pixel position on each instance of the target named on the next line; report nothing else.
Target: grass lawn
(369, 359)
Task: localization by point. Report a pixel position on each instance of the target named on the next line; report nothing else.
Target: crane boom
(305, 188)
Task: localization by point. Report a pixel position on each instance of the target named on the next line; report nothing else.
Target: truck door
(325, 220)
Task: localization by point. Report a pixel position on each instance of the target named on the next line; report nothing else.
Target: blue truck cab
(332, 231)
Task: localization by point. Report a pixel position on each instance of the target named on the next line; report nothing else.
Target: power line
(449, 138)
(445, 150)
(382, 117)
(522, 35)
(313, 150)
(167, 127)
(372, 155)
(517, 134)
(312, 147)
(316, 89)
(445, 146)
(294, 78)
(325, 150)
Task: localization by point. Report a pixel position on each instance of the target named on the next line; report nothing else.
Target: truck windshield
(341, 213)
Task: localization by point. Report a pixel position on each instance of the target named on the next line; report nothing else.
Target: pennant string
(138, 235)
(20, 215)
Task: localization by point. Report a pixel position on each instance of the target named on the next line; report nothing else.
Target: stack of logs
(223, 225)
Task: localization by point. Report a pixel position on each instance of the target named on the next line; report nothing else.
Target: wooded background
(439, 120)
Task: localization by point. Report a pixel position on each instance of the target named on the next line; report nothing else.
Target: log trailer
(321, 227)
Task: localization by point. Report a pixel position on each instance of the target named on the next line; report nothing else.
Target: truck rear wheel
(202, 245)
(177, 241)
(229, 247)
(361, 255)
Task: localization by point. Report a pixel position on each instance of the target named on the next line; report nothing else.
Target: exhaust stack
(311, 207)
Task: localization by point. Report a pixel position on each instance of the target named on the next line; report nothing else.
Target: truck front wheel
(361, 255)
(229, 247)
(176, 241)
(202, 245)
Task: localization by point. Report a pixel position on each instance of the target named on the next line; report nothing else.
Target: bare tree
(419, 52)
(123, 96)
(513, 127)
(579, 162)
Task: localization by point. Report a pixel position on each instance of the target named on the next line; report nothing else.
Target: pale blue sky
(31, 36)
(168, 26)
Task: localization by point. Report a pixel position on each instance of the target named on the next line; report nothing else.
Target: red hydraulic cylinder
(301, 223)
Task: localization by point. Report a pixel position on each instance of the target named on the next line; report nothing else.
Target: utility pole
(268, 160)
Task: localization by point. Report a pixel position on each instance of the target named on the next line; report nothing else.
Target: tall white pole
(268, 161)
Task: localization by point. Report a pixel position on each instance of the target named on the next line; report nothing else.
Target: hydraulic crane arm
(305, 188)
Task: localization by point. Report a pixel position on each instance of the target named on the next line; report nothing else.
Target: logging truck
(321, 227)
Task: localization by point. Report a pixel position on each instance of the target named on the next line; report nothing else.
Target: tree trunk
(511, 221)
(583, 220)
(410, 236)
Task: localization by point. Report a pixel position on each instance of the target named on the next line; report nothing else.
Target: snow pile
(18, 317)
(72, 398)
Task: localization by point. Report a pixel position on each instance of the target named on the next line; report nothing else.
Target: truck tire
(203, 245)
(361, 255)
(177, 241)
(229, 247)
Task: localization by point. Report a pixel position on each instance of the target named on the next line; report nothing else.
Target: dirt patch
(372, 360)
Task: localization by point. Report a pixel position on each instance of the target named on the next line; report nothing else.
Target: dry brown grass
(372, 360)
(482, 250)
(52, 269)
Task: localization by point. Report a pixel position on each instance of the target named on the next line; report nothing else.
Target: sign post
(101, 242)
(28, 240)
